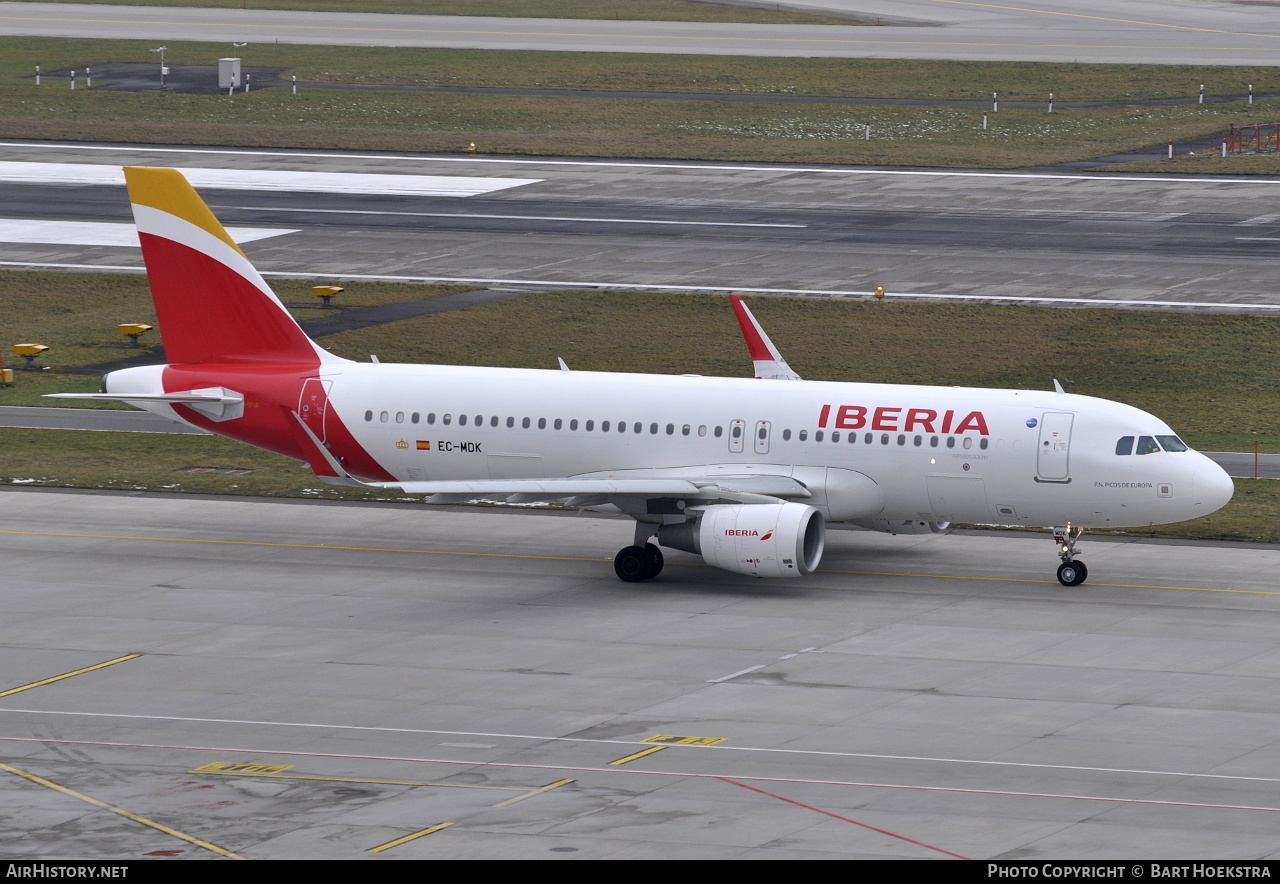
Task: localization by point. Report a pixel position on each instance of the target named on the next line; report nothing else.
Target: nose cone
(1213, 488)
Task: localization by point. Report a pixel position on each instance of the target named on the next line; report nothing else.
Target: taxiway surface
(289, 679)
(1143, 31)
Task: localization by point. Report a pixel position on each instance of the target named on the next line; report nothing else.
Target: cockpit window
(1125, 445)
(1171, 443)
(1147, 445)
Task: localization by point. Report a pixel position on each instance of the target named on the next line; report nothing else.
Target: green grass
(76, 314)
(570, 126)
(624, 10)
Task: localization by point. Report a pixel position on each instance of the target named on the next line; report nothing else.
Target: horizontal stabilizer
(217, 403)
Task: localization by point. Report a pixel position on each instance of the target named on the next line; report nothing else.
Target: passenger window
(868, 438)
(902, 439)
(982, 443)
(462, 420)
(884, 439)
(511, 422)
(702, 430)
(817, 436)
(804, 435)
(671, 429)
(573, 424)
(415, 417)
(558, 424)
(525, 423)
(446, 419)
(479, 420)
(653, 429)
(622, 426)
(968, 442)
(786, 435)
(835, 437)
(431, 417)
(719, 432)
(604, 426)
(684, 431)
(399, 417)
(933, 441)
(542, 423)
(917, 441)
(493, 421)
(638, 428)
(1147, 445)
(368, 415)
(590, 425)
(1171, 443)
(951, 441)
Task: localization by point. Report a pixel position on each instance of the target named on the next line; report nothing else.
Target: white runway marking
(728, 289)
(95, 233)
(270, 179)
(720, 747)
(632, 771)
(618, 164)
(511, 217)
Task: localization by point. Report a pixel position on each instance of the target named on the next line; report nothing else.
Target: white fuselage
(1027, 458)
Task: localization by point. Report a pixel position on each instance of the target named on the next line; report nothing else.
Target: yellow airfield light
(133, 330)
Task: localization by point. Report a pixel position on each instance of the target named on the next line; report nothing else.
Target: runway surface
(1069, 239)
(1179, 32)
(284, 679)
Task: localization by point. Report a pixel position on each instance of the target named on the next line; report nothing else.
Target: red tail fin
(212, 304)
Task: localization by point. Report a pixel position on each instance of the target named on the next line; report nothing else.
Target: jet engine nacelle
(904, 526)
(763, 540)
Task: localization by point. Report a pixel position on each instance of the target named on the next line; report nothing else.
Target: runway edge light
(29, 352)
(325, 293)
(133, 330)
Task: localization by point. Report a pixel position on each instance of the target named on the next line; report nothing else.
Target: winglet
(765, 356)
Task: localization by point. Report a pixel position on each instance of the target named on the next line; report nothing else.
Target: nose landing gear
(1070, 572)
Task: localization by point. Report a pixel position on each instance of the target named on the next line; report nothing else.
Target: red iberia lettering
(922, 417)
(741, 532)
(974, 421)
(885, 418)
(851, 417)
(915, 420)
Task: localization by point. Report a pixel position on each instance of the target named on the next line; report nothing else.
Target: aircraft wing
(591, 490)
(594, 491)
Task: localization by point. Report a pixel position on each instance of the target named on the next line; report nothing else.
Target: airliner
(744, 472)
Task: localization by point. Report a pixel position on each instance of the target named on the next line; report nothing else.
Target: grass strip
(918, 135)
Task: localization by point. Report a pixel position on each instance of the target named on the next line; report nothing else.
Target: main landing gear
(1070, 572)
(636, 563)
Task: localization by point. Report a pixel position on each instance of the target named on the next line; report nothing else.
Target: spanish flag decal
(424, 446)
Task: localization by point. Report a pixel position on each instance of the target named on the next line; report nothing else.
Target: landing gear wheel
(1072, 573)
(632, 564)
(655, 561)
